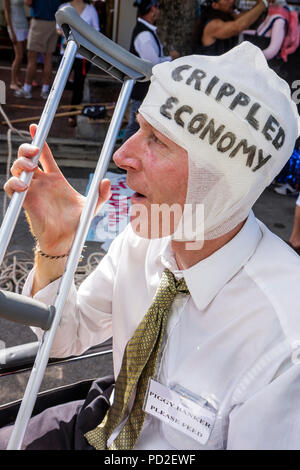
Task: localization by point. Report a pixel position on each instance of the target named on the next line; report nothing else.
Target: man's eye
(156, 139)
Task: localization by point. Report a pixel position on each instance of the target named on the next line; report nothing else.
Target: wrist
(39, 252)
(53, 250)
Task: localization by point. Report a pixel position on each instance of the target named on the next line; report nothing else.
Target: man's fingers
(27, 150)
(46, 159)
(22, 164)
(14, 184)
(104, 192)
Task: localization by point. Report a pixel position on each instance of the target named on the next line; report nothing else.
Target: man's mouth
(138, 198)
(137, 195)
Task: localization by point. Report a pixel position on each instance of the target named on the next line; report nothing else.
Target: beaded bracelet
(266, 4)
(41, 253)
(38, 251)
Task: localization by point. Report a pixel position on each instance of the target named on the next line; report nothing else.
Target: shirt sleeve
(147, 48)
(87, 316)
(277, 37)
(94, 18)
(270, 419)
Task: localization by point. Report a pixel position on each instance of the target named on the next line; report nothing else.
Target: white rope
(17, 265)
(11, 130)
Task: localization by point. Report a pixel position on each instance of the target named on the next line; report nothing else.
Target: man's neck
(187, 254)
(148, 18)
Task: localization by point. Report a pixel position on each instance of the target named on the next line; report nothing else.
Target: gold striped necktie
(138, 365)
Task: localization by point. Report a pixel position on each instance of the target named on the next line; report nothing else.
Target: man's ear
(215, 5)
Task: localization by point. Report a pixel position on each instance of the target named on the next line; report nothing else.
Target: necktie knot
(176, 286)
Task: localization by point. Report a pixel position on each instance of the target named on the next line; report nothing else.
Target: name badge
(180, 412)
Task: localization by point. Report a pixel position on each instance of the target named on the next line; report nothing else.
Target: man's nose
(127, 156)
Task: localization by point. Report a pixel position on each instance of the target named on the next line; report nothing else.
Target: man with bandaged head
(201, 299)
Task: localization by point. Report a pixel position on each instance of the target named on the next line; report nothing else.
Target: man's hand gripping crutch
(53, 208)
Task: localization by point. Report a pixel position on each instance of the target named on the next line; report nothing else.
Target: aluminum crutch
(126, 68)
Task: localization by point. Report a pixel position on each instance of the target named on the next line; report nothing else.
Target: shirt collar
(149, 25)
(206, 278)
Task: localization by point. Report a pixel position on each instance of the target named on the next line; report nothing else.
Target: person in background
(100, 6)
(42, 38)
(17, 26)
(80, 66)
(218, 27)
(270, 35)
(277, 40)
(145, 43)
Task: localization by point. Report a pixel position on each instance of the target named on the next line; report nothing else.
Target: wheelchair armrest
(21, 358)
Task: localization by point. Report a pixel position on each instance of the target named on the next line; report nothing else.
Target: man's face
(155, 10)
(157, 170)
(227, 6)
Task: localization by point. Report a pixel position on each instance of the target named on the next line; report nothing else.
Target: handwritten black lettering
(201, 81)
(225, 90)
(177, 115)
(176, 73)
(250, 116)
(261, 160)
(213, 134)
(196, 75)
(231, 137)
(168, 105)
(279, 139)
(211, 85)
(202, 125)
(199, 120)
(270, 127)
(251, 150)
(241, 98)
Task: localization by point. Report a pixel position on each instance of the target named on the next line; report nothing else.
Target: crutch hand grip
(20, 309)
(100, 50)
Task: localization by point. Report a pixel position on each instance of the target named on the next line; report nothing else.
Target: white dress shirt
(147, 47)
(233, 341)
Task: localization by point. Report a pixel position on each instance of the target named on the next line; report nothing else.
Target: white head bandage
(235, 118)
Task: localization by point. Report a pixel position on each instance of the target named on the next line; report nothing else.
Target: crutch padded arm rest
(25, 310)
(100, 50)
(18, 356)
